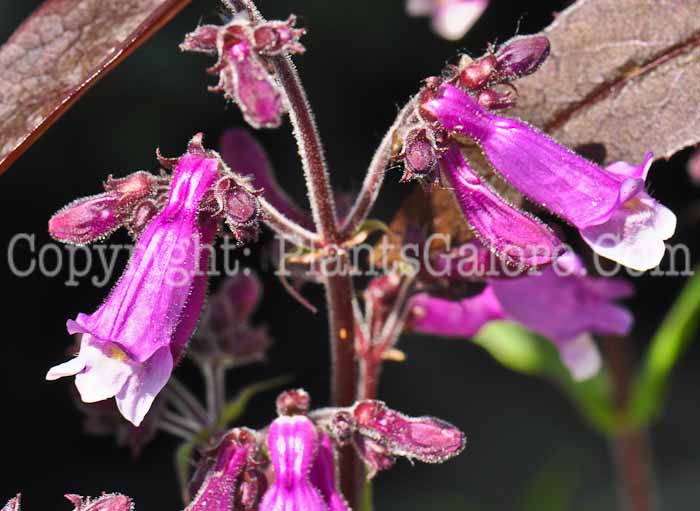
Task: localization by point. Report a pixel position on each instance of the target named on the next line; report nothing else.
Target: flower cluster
(292, 464)
(130, 345)
(608, 206)
(245, 74)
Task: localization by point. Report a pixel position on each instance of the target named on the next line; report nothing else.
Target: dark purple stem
(630, 447)
(339, 286)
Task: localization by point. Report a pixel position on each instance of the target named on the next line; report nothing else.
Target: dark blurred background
(364, 59)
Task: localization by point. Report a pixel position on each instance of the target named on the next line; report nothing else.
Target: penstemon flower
(131, 343)
(609, 206)
(293, 443)
(323, 475)
(451, 19)
(561, 303)
(518, 238)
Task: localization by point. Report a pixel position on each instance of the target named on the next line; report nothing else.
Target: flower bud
(425, 438)
(86, 220)
(496, 100)
(131, 188)
(375, 455)
(293, 402)
(276, 37)
(521, 56)
(110, 502)
(478, 73)
(342, 427)
(420, 157)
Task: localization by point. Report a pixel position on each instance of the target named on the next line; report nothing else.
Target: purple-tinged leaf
(622, 74)
(59, 52)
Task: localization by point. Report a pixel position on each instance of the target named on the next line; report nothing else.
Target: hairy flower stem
(630, 447)
(375, 176)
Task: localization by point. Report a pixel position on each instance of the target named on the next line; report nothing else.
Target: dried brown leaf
(59, 52)
(624, 74)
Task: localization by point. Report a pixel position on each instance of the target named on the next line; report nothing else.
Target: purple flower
(517, 238)
(131, 343)
(608, 205)
(323, 475)
(561, 303)
(244, 75)
(218, 490)
(451, 19)
(292, 442)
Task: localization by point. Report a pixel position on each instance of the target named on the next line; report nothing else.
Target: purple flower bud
(293, 402)
(323, 475)
(342, 427)
(91, 218)
(109, 502)
(131, 343)
(516, 237)
(87, 219)
(203, 39)
(521, 56)
(478, 74)
(292, 442)
(425, 438)
(451, 19)
(497, 100)
(419, 155)
(375, 455)
(244, 74)
(608, 206)
(245, 156)
(13, 504)
(219, 487)
(277, 37)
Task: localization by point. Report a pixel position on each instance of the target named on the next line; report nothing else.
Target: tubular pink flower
(608, 205)
(130, 344)
(323, 475)
(513, 235)
(451, 19)
(292, 442)
(561, 303)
